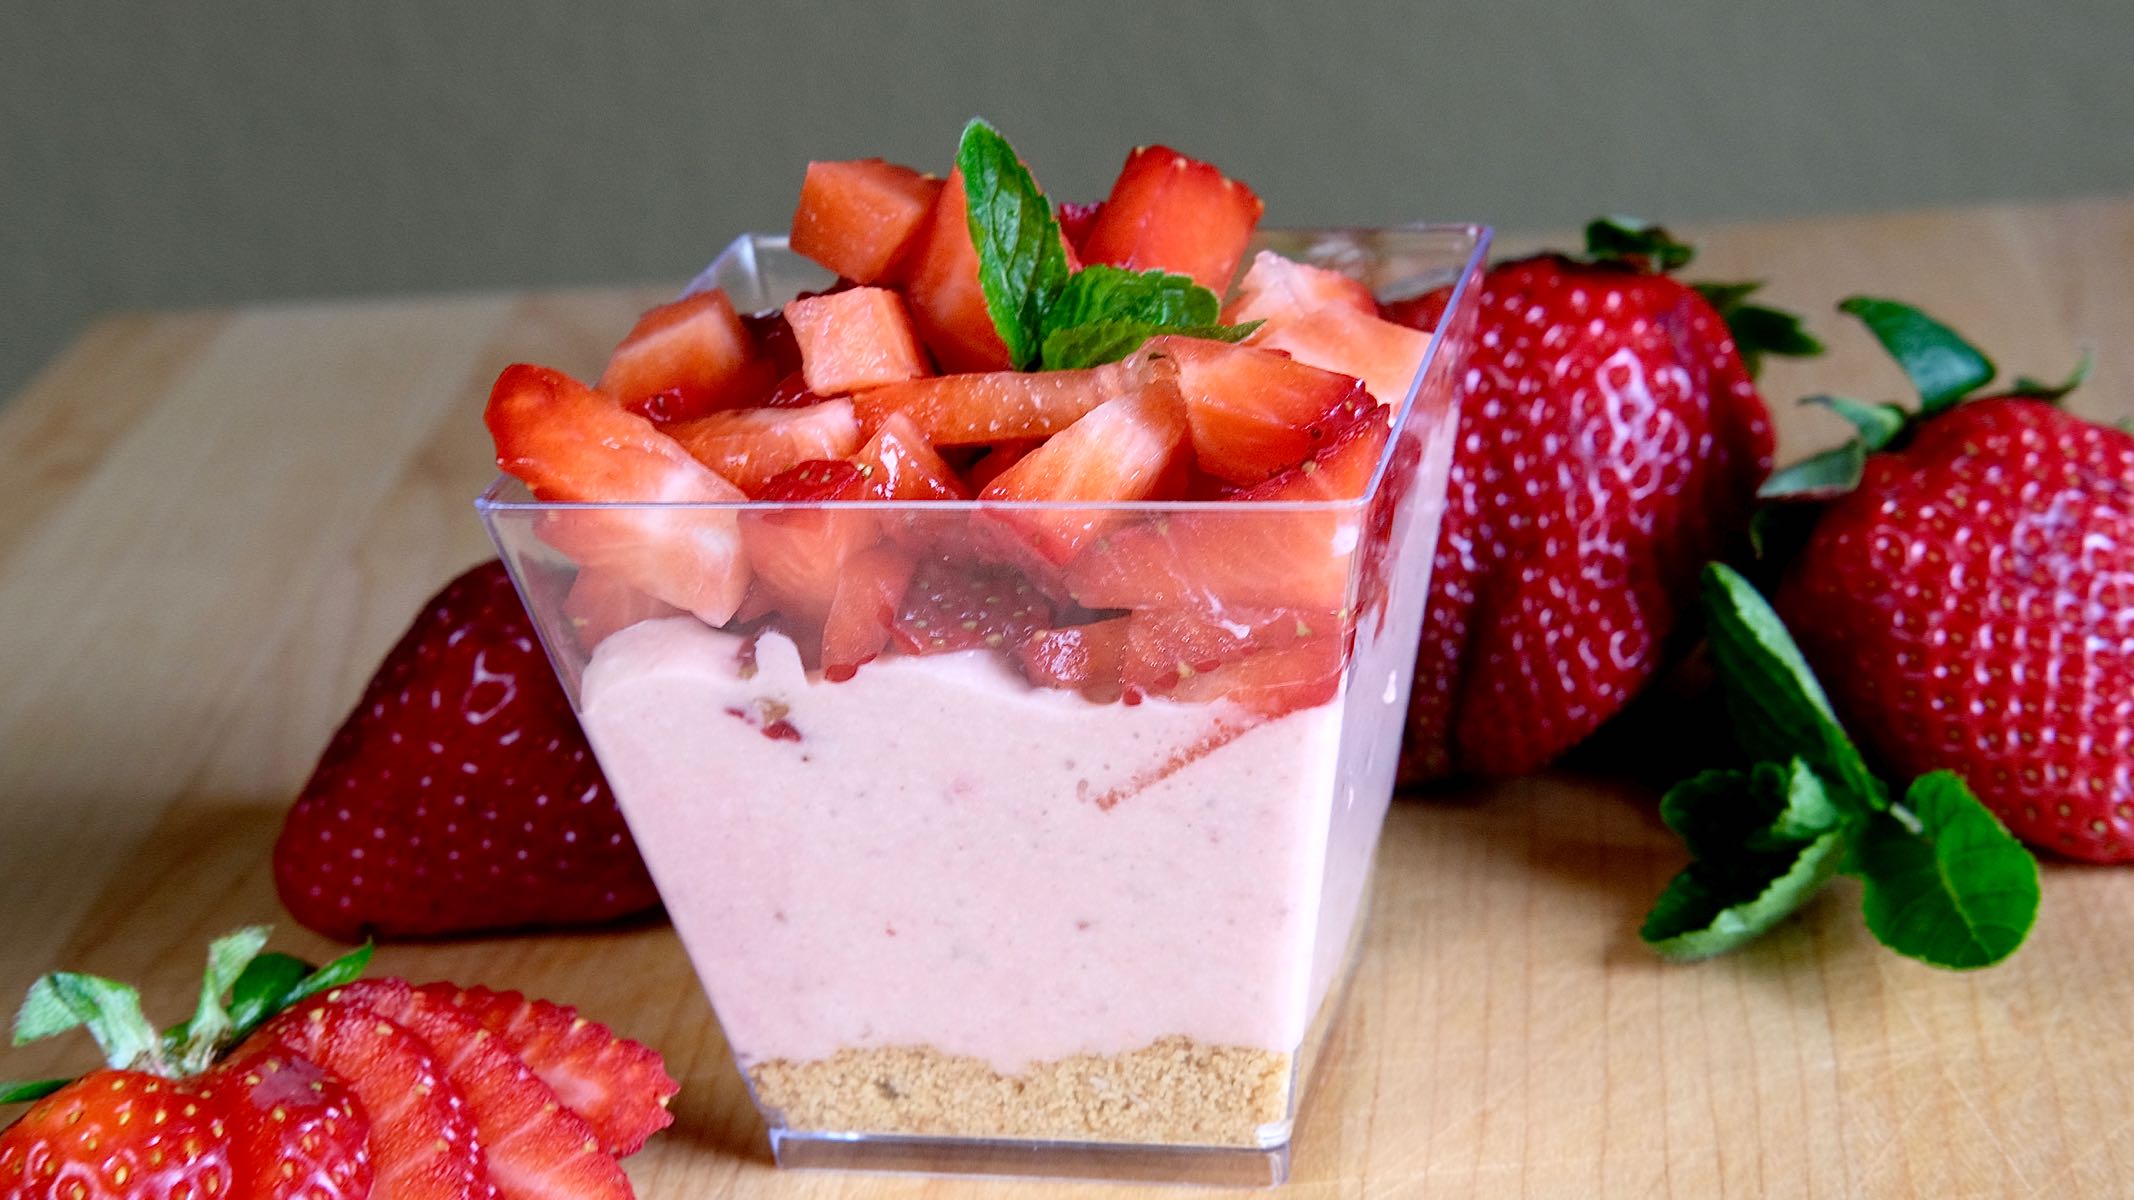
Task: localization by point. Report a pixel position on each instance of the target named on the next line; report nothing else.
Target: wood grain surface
(213, 523)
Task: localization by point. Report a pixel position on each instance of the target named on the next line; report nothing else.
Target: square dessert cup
(954, 920)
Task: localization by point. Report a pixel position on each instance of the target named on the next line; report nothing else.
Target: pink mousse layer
(936, 853)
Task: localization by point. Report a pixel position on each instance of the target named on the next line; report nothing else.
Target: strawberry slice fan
(1957, 580)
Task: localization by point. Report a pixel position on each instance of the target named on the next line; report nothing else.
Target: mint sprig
(1046, 315)
(1945, 882)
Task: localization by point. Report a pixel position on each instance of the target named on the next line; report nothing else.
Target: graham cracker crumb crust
(1175, 1091)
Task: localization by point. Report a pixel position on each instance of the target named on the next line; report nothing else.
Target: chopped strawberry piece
(1076, 220)
(995, 462)
(1165, 646)
(956, 606)
(1085, 658)
(1418, 312)
(1173, 213)
(1384, 355)
(1126, 450)
(1250, 410)
(999, 406)
(947, 301)
(751, 445)
(1273, 682)
(856, 339)
(1214, 562)
(537, 1149)
(773, 339)
(902, 465)
(423, 1138)
(601, 603)
(694, 348)
(863, 605)
(856, 217)
(1275, 288)
(799, 553)
(570, 443)
(793, 392)
(620, 1087)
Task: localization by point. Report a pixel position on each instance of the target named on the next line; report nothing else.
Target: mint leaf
(1720, 905)
(1104, 292)
(1104, 341)
(1946, 883)
(1769, 808)
(1778, 708)
(26, 1091)
(1943, 367)
(1022, 265)
(111, 1011)
(1879, 424)
(263, 990)
(1824, 476)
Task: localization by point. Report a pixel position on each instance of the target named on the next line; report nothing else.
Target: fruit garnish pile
(289, 1081)
(982, 344)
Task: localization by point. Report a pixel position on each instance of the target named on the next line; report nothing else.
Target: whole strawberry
(1611, 444)
(460, 794)
(1969, 603)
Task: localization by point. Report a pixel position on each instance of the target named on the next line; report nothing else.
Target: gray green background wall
(183, 154)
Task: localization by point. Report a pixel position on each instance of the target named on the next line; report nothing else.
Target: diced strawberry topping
(999, 406)
(903, 466)
(1126, 450)
(863, 606)
(1076, 220)
(773, 339)
(947, 301)
(570, 443)
(620, 1087)
(798, 553)
(1251, 558)
(995, 462)
(1084, 658)
(749, 446)
(1418, 312)
(1165, 646)
(792, 392)
(1275, 288)
(855, 339)
(1272, 682)
(1336, 338)
(601, 603)
(686, 359)
(1173, 213)
(857, 217)
(1250, 410)
(961, 606)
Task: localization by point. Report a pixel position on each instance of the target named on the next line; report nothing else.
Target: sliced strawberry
(1242, 557)
(423, 1142)
(1384, 355)
(601, 603)
(752, 445)
(296, 1131)
(1126, 450)
(863, 605)
(856, 217)
(799, 553)
(947, 301)
(1166, 646)
(693, 355)
(570, 443)
(536, 1148)
(1084, 658)
(620, 1087)
(1250, 410)
(855, 339)
(117, 1135)
(1076, 221)
(1173, 213)
(999, 406)
(1272, 682)
(902, 465)
(958, 606)
(1276, 288)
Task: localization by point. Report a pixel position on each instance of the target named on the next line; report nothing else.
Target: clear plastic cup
(954, 920)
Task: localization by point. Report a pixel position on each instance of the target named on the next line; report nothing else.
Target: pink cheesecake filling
(935, 853)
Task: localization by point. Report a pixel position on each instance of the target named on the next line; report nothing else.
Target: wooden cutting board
(213, 524)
